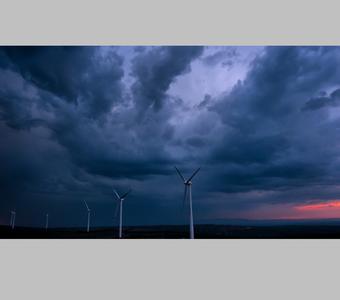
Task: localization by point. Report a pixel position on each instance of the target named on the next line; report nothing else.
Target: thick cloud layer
(76, 121)
(269, 133)
(156, 69)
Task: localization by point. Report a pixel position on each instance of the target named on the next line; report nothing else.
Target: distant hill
(273, 222)
(244, 229)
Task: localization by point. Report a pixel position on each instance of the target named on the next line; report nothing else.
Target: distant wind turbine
(187, 193)
(46, 222)
(12, 222)
(88, 216)
(120, 206)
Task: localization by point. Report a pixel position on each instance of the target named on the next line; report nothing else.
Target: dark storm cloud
(76, 74)
(114, 148)
(276, 82)
(250, 149)
(195, 141)
(316, 103)
(156, 69)
(56, 69)
(109, 149)
(267, 138)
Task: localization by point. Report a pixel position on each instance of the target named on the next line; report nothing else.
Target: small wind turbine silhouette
(12, 222)
(187, 187)
(120, 206)
(88, 216)
(46, 222)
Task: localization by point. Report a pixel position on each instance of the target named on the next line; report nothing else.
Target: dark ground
(180, 232)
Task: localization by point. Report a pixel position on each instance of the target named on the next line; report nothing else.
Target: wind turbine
(46, 222)
(88, 216)
(121, 199)
(187, 193)
(12, 222)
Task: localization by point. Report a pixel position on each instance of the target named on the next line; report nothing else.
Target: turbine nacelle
(187, 181)
(121, 198)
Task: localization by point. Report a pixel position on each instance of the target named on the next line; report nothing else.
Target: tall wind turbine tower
(88, 216)
(120, 200)
(187, 195)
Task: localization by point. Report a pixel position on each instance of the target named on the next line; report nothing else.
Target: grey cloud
(79, 75)
(319, 102)
(266, 135)
(224, 57)
(205, 102)
(195, 142)
(156, 69)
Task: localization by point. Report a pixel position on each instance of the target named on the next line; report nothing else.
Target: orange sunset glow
(320, 206)
(319, 210)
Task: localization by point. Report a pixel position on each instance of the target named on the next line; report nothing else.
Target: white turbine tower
(88, 216)
(12, 222)
(187, 193)
(120, 206)
(46, 222)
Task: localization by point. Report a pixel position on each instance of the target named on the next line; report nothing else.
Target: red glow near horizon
(319, 206)
(319, 210)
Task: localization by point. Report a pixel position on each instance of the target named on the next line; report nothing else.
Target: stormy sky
(263, 123)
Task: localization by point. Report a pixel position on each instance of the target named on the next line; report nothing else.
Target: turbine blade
(86, 205)
(126, 194)
(193, 175)
(116, 194)
(180, 175)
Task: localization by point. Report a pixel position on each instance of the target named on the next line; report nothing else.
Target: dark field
(180, 232)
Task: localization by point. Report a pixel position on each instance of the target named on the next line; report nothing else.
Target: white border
(169, 269)
(159, 22)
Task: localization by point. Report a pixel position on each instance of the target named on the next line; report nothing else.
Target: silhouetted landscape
(299, 230)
